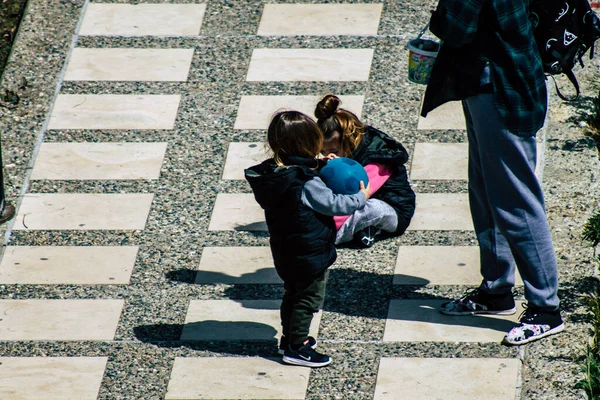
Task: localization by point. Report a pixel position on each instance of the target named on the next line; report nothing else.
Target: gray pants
(507, 207)
(375, 213)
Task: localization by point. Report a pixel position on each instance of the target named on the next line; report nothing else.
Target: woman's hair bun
(327, 106)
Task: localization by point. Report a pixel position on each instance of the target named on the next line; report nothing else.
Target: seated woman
(393, 201)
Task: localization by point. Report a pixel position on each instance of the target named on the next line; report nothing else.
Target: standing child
(298, 210)
(393, 202)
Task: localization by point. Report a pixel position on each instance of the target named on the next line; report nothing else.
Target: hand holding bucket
(421, 56)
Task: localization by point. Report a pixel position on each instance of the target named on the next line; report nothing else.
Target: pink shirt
(378, 174)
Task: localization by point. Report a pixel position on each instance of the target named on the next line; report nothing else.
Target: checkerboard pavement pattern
(138, 264)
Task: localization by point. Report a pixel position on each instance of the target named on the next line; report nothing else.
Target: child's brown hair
(295, 134)
(331, 119)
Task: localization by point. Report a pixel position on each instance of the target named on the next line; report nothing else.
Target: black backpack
(564, 31)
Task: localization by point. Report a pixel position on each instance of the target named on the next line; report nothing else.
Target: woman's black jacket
(378, 147)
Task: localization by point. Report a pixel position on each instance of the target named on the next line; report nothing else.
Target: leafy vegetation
(593, 124)
(591, 368)
(591, 231)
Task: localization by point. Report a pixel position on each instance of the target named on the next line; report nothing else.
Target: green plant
(593, 123)
(591, 368)
(591, 231)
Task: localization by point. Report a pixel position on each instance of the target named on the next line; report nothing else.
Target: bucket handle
(420, 34)
(423, 31)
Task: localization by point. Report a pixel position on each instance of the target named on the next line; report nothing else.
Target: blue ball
(342, 175)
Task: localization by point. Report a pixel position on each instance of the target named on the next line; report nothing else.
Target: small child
(393, 203)
(298, 210)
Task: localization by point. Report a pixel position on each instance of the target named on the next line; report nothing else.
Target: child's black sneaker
(366, 237)
(283, 344)
(305, 356)
(479, 302)
(535, 323)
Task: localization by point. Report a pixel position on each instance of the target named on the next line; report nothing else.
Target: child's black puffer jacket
(301, 239)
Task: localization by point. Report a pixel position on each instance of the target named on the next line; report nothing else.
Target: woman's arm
(455, 21)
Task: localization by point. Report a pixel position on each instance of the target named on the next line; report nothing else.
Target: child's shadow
(260, 276)
(353, 293)
(205, 336)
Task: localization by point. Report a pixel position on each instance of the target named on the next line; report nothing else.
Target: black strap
(571, 76)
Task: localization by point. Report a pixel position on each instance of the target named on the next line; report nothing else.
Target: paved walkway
(138, 264)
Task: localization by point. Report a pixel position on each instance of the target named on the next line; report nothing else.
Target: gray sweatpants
(375, 213)
(507, 207)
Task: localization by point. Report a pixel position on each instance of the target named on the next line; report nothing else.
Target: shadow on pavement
(255, 228)
(355, 293)
(196, 336)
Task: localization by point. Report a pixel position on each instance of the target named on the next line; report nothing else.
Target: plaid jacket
(474, 32)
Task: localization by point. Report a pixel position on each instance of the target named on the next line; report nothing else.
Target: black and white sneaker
(534, 324)
(305, 356)
(366, 237)
(283, 344)
(479, 302)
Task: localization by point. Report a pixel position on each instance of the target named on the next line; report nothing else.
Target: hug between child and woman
(306, 219)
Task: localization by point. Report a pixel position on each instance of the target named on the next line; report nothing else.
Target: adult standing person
(489, 60)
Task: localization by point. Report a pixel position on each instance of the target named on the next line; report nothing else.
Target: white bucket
(421, 56)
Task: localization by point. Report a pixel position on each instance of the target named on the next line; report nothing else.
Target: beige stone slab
(440, 161)
(312, 65)
(237, 265)
(115, 64)
(242, 155)
(69, 265)
(64, 378)
(447, 379)
(421, 321)
(442, 211)
(114, 111)
(317, 19)
(231, 320)
(101, 161)
(446, 161)
(254, 378)
(439, 265)
(50, 211)
(142, 19)
(237, 212)
(448, 116)
(255, 112)
(59, 319)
